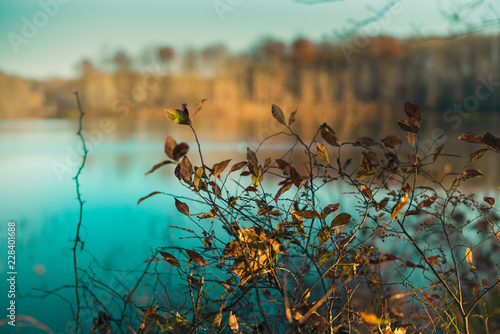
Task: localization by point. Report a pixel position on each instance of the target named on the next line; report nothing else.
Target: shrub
(403, 249)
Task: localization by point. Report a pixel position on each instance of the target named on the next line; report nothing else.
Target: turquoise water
(38, 193)
(38, 160)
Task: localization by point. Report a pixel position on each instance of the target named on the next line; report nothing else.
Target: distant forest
(369, 77)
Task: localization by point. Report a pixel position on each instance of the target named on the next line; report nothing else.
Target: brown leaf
(489, 200)
(323, 152)
(170, 259)
(382, 204)
(161, 164)
(186, 170)
(414, 158)
(251, 157)
(200, 106)
(278, 114)
(391, 141)
(330, 208)
(477, 155)
(469, 173)
(437, 152)
(180, 151)
(282, 190)
(307, 214)
(219, 167)
(428, 299)
(366, 192)
(182, 207)
(413, 111)
(365, 142)
(292, 117)
(341, 220)
(170, 144)
(324, 235)
(328, 135)
(148, 196)
(491, 141)
(409, 124)
(397, 209)
(470, 138)
(426, 203)
(196, 257)
(238, 166)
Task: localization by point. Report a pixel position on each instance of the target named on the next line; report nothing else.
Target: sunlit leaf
(341, 220)
(397, 209)
(233, 323)
(278, 114)
(218, 316)
(328, 135)
(371, 319)
(196, 257)
(324, 235)
(148, 196)
(170, 259)
(161, 164)
(468, 255)
(182, 207)
(365, 173)
(411, 139)
(323, 152)
(292, 117)
(477, 155)
(197, 178)
(219, 167)
(178, 116)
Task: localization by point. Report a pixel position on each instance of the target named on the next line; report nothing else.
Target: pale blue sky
(90, 28)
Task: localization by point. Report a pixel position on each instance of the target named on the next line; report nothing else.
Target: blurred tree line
(365, 78)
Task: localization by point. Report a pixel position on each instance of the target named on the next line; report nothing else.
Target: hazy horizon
(48, 38)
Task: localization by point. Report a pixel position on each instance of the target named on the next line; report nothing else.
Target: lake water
(38, 160)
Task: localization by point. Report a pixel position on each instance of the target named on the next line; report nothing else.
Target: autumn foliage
(330, 237)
